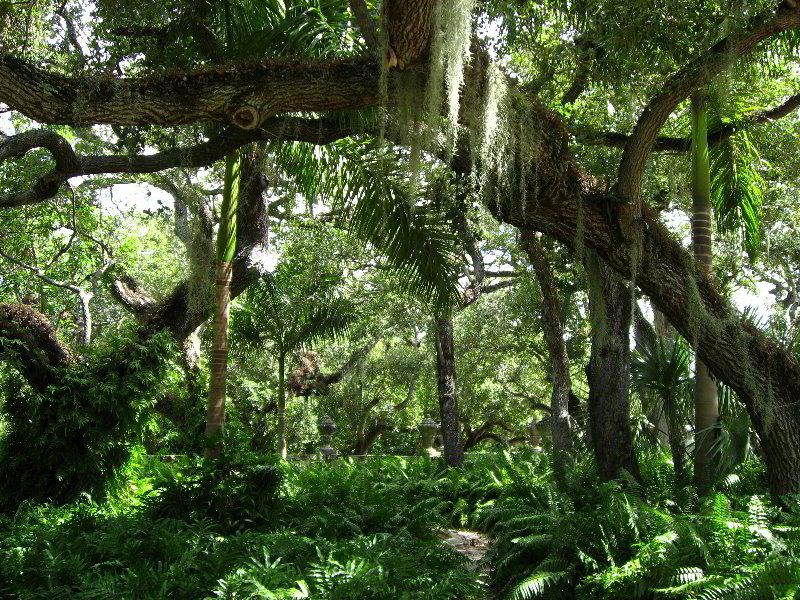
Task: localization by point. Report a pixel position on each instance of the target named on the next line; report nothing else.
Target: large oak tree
(261, 100)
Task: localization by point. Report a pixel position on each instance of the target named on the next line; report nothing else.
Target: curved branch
(677, 144)
(84, 297)
(127, 291)
(37, 345)
(69, 165)
(694, 75)
(587, 52)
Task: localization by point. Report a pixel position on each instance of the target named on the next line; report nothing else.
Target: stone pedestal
(427, 432)
(327, 429)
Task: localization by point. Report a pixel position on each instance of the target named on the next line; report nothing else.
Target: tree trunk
(675, 436)
(553, 329)
(446, 385)
(609, 370)
(706, 410)
(282, 446)
(226, 246)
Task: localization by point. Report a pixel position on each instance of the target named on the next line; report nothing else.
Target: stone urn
(327, 429)
(427, 432)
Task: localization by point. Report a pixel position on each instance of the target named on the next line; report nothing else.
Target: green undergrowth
(246, 529)
(622, 539)
(254, 527)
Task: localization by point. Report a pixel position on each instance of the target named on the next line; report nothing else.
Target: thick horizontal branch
(245, 94)
(69, 164)
(677, 144)
(693, 76)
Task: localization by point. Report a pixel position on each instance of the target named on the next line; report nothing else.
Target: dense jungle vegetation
(294, 294)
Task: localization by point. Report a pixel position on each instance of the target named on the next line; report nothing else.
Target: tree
(553, 327)
(297, 304)
(705, 389)
(608, 371)
(556, 198)
(226, 250)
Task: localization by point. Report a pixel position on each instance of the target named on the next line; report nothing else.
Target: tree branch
(368, 32)
(84, 297)
(677, 144)
(69, 165)
(694, 75)
(245, 94)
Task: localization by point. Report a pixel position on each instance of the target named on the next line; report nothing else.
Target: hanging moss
(201, 265)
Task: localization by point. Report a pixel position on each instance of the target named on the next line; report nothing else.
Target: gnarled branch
(693, 76)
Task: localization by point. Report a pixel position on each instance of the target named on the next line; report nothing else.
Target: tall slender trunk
(226, 249)
(675, 436)
(609, 370)
(553, 329)
(706, 410)
(446, 385)
(282, 446)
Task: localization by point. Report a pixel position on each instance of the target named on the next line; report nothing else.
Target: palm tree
(660, 368)
(226, 249)
(289, 309)
(258, 29)
(706, 409)
(727, 180)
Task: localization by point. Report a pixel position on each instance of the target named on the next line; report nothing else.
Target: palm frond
(309, 28)
(367, 185)
(330, 319)
(737, 189)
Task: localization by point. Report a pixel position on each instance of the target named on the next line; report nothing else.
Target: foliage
(738, 189)
(71, 438)
(623, 540)
(332, 532)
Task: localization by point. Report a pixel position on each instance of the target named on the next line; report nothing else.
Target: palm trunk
(609, 370)
(282, 446)
(446, 385)
(226, 247)
(706, 410)
(553, 329)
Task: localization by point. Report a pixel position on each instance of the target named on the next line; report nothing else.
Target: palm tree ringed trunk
(226, 249)
(706, 410)
(446, 386)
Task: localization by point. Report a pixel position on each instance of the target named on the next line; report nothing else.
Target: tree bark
(609, 370)
(282, 446)
(706, 410)
(446, 385)
(553, 329)
(226, 249)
